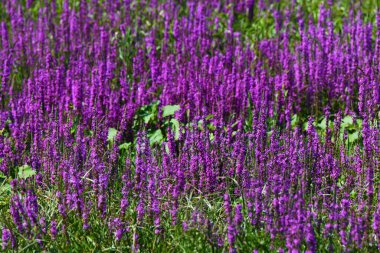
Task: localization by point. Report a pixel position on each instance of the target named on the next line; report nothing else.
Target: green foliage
(353, 129)
(25, 172)
(348, 125)
(148, 118)
(175, 126)
(169, 110)
(148, 113)
(125, 146)
(112, 132)
(157, 127)
(5, 190)
(155, 137)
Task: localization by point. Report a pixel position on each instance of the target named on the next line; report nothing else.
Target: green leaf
(200, 125)
(305, 126)
(169, 110)
(322, 125)
(5, 191)
(25, 172)
(285, 93)
(88, 132)
(149, 112)
(156, 137)
(211, 126)
(175, 126)
(341, 181)
(353, 136)
(125, 145)
(360, 123)
(210, 116)
(73, 129)
(147, 118)
(5, 187)
(91, 240)
(353, 194)
(2, 177)
(295, 120)
(111, 134)
(346, 121)
(234, 124)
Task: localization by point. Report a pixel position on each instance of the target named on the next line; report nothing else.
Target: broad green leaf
(111, 134)
(169, 110)
(125, 145)
(295, 120)
(25, 172)
(305, 126)
(322, 125)
(149, 112)
(147, 118)
(353, 136)
(175, 126)
(346, 121)
(156, 137)
(360, 123)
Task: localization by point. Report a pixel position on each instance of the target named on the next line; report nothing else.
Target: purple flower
(5, 238)
(53, 229)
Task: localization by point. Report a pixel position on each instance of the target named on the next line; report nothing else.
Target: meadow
(189, 126)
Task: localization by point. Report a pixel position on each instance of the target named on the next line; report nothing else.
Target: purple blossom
(5, 238)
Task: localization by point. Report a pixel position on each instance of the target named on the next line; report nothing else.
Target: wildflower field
(189, 126)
